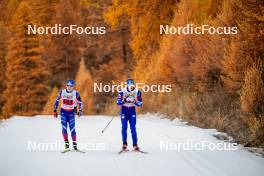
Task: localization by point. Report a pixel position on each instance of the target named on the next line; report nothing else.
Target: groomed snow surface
(19, 136)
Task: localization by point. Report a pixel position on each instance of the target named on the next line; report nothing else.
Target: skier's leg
(72, 126)
(64, 126)
(72, 129)
(64, 129)
(132, 123)
(124, 128)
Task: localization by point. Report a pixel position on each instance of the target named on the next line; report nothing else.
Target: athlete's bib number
(67, 102)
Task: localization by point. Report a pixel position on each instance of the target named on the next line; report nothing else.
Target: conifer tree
(43, 10)
(49, 107)
(63, 51)
(246, 48)
(3, 45)
(145, 18)
(27, 74)
(84, 85)
(10, 9)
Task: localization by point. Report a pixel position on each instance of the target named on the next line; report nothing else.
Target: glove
(131, 101)
(138, 103)
(79, 113)
(120, 102)
(55, 114)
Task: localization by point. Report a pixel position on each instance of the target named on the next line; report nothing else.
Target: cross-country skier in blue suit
(128, 99)
(70, 99)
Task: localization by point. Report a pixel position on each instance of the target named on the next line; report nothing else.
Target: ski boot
(124, 148)
(135, 147)
(67, 146)
(74, 144)
(75, 148)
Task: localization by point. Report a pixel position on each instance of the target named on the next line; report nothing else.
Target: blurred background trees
(26, 72)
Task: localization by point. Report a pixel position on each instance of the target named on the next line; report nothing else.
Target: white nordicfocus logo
(100, 87)
(190, 145)
(203, 29)
(58, 146)
(58, 29)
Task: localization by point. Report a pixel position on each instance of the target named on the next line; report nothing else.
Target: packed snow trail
(16, 158)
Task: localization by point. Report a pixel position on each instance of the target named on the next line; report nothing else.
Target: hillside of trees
(217, 80)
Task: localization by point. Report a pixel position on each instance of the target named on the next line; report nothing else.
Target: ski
(78, 150)
(140, 151)
(123, 151)
(65, 151)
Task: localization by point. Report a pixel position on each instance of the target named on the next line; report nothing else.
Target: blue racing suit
(69, 102)
(128, 100)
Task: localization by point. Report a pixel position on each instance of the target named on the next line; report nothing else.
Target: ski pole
(113, 95)
(108, 124)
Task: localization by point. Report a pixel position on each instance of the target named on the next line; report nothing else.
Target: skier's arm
(57, 101)
(139, 99)
(79, 101)
(120, 99)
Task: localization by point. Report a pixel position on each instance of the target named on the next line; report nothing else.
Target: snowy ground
(17, 159)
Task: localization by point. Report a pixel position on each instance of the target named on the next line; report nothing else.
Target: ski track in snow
(16, 159)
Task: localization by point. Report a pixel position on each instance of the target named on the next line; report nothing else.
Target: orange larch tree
(27, 75)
